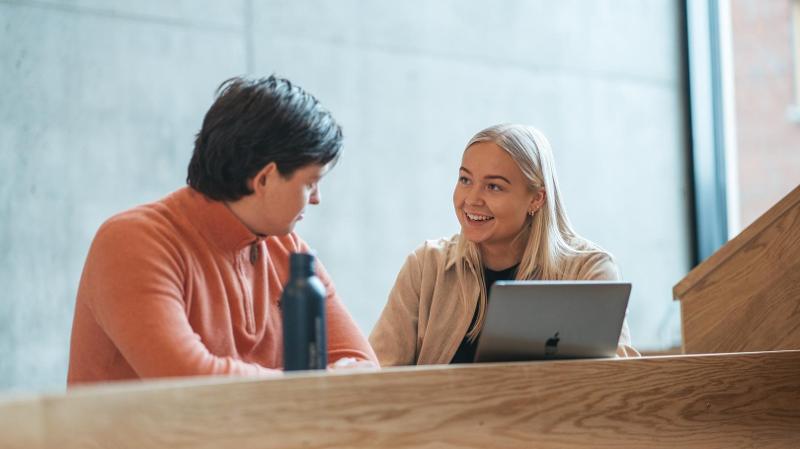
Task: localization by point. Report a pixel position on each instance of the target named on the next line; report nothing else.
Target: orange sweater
(181, 287)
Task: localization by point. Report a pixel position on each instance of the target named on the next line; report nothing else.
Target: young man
(190, 285)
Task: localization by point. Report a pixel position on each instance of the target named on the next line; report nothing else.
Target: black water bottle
(303, 303)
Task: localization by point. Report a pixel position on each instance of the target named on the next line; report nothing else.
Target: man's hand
(351, 363)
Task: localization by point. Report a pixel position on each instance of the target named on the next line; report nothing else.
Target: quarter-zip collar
(216, 221)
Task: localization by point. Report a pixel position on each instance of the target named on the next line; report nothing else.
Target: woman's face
(492, 197)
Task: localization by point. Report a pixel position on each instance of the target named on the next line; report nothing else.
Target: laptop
(540, 320)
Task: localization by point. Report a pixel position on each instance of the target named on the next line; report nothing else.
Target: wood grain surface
(750, 300)
(708, 401)
(720, 257)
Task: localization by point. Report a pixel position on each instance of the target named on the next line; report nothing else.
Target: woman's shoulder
(434, 252)
(437, 248)
(590, 262)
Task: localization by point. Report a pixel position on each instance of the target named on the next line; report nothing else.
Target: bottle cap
(301, 264)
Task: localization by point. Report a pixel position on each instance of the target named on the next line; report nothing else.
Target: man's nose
(315, 196)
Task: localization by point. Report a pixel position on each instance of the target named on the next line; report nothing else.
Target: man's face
(279, 202)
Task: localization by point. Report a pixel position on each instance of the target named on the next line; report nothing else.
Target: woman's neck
(500, 257)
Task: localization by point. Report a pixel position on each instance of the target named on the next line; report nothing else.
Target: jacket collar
(215, 221)
(451, 255)
(452, 310)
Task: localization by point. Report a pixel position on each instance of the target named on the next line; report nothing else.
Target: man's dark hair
(253, 123)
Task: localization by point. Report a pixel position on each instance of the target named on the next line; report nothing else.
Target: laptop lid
(534, 320)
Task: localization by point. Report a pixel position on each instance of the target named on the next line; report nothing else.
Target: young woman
(513, 226)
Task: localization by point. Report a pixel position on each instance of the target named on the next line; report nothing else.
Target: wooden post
(746, 296)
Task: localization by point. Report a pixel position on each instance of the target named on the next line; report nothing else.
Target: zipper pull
(254, 252)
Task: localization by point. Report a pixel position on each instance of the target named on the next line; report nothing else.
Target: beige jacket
(424, 321)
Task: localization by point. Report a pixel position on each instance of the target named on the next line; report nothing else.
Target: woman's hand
(625, 351)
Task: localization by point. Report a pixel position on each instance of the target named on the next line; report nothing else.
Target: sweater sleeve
(394, 336)
(344, 337)
(601, 267)
(133, 284)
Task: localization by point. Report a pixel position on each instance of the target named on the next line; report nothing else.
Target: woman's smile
(477, 219)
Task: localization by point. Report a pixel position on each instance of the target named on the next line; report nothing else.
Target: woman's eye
(494, 187)
(463, 180)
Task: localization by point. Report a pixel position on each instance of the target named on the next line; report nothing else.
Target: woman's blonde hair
(548, 236)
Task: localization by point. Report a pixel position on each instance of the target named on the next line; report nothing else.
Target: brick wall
(768, 140)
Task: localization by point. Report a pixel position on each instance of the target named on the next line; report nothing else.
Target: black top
(466, 351)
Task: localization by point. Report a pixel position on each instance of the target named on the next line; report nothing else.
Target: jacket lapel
(449, 317)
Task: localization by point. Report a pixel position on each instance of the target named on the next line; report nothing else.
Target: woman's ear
(258, 182)
(538, 200)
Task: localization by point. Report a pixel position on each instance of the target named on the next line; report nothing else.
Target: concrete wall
(101, 101)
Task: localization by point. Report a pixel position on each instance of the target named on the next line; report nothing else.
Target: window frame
(711, 125)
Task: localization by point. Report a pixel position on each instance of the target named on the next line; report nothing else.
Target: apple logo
(551, 346)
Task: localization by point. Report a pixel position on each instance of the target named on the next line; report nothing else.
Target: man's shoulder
(153, 219)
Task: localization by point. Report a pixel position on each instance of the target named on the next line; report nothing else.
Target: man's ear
(258, 182)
